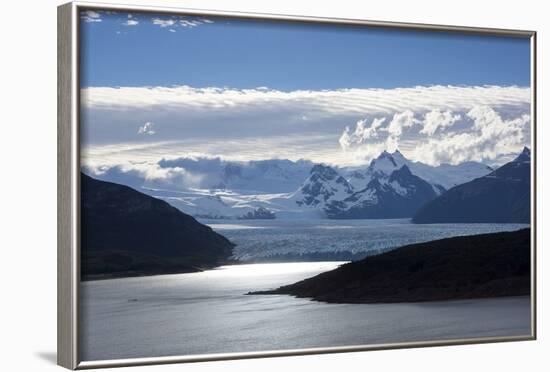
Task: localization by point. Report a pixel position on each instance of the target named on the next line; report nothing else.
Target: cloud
(147, 128)
(367, 142)
(262, 122)
(484, 136)
(489, 138)
(200, 172)
(180, 21)
(90, 16)
(186, 23)
(400, 121)
(321, 148)
(146, 175)
(361, 134)
(190, 23)
(163, 22)
(437, 119)
(328, 102)
(128, 19)
(131, 22)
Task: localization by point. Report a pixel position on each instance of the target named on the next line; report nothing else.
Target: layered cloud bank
(342, 101)
(347, 126)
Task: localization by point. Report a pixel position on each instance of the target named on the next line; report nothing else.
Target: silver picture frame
(68, 184)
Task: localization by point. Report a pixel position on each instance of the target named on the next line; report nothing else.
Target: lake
(208, 312)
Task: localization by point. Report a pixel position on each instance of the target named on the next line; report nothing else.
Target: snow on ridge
(291, 189)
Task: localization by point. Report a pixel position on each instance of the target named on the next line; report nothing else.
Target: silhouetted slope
(474, 266)
(502, 196)
(125, 232)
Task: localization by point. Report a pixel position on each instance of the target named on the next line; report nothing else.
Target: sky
(161, 86)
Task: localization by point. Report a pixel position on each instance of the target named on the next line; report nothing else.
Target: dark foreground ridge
(477, 266)
(502, 196)
(127, 233)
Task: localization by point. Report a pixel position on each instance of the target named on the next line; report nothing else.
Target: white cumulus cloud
(437, 119)
(147, 128)
(488, 138)
(483, 136)
(400, 121)
(361, 134)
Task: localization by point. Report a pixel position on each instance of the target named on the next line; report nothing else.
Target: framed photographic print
(235, 185)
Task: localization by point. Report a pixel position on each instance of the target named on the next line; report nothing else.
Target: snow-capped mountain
(441, 177)
(387, 188)
(399, 195)
(323, 186)
(390, 186)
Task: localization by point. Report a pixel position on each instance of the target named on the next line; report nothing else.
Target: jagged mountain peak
(384, 163)
(518, 169)
(396, 195)
(385, 155)
(524, 156)
(398, 156)
(323, 185)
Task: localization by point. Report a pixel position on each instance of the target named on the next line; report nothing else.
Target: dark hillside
(125, 233)
(476, 266)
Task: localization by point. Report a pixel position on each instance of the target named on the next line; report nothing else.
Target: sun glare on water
(258, 270)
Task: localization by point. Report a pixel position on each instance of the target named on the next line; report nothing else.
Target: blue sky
(289, 56)
(158, 86)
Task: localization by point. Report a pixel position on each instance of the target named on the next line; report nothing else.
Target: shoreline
(411, 302)
(466, 267)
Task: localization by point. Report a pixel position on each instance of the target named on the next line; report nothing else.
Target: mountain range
(390, 186)
(398, 195)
